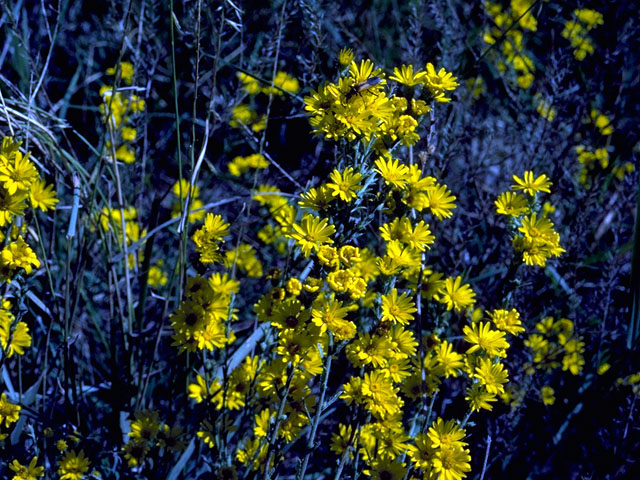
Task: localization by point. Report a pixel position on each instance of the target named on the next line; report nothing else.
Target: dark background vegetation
(592, 431)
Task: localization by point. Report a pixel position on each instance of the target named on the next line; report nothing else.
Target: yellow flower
(11, 205)
(328, 256)
(42, 195)
(126, 154)
(446, 434)
(13, 339)
(507, 320)
(312, 232)
(126, 72)
(283, 81)
(456, 295)
(393, 172)
(262, 423)
(249, 84)
(451, 463)
(129, 134)
(602, 122)
(345, 184)
(479, 398)
(24, 472)
(406, 76)
(157, 277)
(492, 376)
(439, 82)
(240, 165)
(382, 399)
(73, 466)
(145, 427)
(330, 314)
(316, 198)
(199, 391)
(547, 395)
(530, 184)
(397, 309)
(448, 360)
(490, 341)
(9, 412)
(423, 452)
(440, 201)
(345, 57)
(420, 237)
(18, 254)
(363, 72)
(512, 204)
(340, 441)
(19, 174)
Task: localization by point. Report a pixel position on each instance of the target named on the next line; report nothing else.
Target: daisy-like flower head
(18, 254)
(316, 198)
(448, 361)
(531, 184)
(26, 472)
(479, 398)
(312, 232)
(446, 434)
(420, 237)
(483, 338)
(452, 463)
(9, 412)
(439, 82)
(397, 309)
(507, 320)
(13, 341)
(406, 76)
(42, 196)
(512, 204)
(456, 295)
(73, 466)
(345, 184)
(19, 174)
(440, 201)
(363, 72)
(492, 376)
(345, 57)
(394, 173)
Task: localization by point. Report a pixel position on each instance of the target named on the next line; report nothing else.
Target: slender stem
(273, 438)
(316, 420)
(486, 457)
(466, 419)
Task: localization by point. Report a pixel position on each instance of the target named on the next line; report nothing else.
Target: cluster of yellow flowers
(199, 322)
(534, 233)
(240, 165)
(181, 189)
(148, 433)
(544, 107)
(358, 106)
(111, 220)
(577, 31)
(243, 115)
(511, 24)
(311, 314)
(590, 158)
(118, 110)
(21, 187)
(555, 344)
(361, 298)
(632, 381)
(9, 414)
